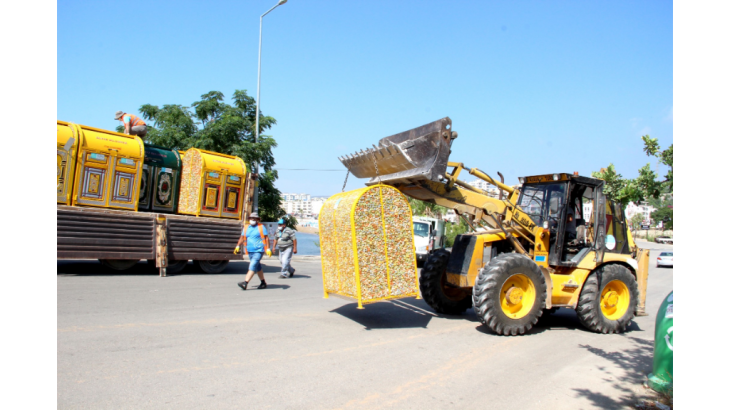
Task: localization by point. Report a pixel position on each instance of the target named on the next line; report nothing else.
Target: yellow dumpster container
(67, 144)
(108, 169)
(367, 246)
(212, 184)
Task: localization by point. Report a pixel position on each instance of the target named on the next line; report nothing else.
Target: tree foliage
(452, 230)
(635, 222)
(664, 210)
(666, 157)
(214, 125)
(645, 186)
(422, 208)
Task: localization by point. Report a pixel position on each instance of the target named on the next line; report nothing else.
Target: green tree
(214, 125)
(422, 208)
(452, 230)
(635, 222)
(664, 210)
(645, 186)
(666, 157)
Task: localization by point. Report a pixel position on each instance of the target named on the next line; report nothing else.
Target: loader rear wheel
(608, 300)
(212, 266)
(434, 289)
(509, 294)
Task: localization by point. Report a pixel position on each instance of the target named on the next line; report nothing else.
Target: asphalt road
(194, 341)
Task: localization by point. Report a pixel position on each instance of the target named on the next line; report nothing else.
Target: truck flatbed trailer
(122, 238)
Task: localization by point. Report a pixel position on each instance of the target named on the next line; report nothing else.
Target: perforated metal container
(366, 241)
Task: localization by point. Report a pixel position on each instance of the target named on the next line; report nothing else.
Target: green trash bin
(661, 377)
(160, 185)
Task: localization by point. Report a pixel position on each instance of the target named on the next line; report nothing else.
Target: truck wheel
(608, 300)
(212, 266)
(173, 266)
(509, 294)
(119, 264)
(442, 298)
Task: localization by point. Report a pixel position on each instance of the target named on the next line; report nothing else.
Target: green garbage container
(160, 185)
(662, 375)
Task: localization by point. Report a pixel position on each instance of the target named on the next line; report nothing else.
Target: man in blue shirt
(255, 242)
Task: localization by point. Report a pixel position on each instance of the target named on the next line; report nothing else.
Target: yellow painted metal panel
(366, 241)
(67, 143)
(214, 161)
(98, 140)
(567, 287)
(108, 168)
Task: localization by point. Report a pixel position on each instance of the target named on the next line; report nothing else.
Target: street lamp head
(282, 2)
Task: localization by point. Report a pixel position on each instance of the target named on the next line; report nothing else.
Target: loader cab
(577, 214)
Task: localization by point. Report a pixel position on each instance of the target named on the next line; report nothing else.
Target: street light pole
(258, 101)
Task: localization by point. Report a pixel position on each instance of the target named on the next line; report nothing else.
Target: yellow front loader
(529, 251)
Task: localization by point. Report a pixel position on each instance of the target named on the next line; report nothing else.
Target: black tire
(443, 299)
(212, 266)
(173, 266)
(589, 304)
(119, 264)
(488, 289)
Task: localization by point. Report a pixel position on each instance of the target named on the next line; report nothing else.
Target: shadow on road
(143, 268)
(561, 319)
(635, 363)
(396, 314)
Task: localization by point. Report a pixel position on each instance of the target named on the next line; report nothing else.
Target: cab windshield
(420, 229)
(543, 202)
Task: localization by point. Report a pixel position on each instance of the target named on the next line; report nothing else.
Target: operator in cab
(133, 125)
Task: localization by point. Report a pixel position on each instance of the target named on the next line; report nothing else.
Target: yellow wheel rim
(615, 299)
(517, 296)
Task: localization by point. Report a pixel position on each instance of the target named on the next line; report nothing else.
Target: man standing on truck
(133, 125)
(255, 242)
(286, 240)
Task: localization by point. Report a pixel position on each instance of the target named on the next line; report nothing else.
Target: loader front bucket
(406, 157)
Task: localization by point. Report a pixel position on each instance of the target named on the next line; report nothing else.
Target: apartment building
(302, 204)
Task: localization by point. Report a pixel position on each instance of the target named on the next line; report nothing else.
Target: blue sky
(531, 87)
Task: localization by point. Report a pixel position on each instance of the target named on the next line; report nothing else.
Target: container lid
(161, 157)
(130, 146)
(63, 133)
(215, 161)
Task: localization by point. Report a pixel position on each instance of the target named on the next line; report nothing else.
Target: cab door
(599, 223)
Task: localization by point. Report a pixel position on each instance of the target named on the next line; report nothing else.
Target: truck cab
(428, 235)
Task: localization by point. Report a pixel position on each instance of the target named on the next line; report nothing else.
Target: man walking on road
(255, 242)
(286, 239)
(133, 125)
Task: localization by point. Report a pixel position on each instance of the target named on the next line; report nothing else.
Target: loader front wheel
(509, 294)
(608, 300)
(436, 292)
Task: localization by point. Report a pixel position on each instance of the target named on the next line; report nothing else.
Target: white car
(665, 259)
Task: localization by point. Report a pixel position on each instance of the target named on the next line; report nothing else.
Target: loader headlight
(545, 225)
(556, 177)
(522, 180)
